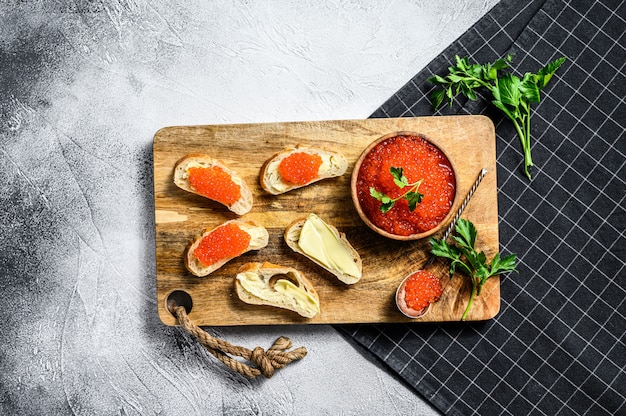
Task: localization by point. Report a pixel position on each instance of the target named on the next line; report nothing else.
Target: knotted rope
(266, 361)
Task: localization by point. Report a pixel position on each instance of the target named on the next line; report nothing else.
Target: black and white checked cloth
(557, 346)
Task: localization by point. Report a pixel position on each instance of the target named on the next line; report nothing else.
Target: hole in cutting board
(179, 298)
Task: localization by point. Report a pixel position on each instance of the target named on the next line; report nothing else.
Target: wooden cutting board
(469, 142)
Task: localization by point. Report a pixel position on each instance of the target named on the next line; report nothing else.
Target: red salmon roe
(300, 168)
(419, 159)
(422, 288)
(224, 242)
(214, 183)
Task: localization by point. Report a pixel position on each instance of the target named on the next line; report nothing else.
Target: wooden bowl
(362, 214)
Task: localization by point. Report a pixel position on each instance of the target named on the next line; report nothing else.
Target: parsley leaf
(412, 196)
(465, 259)
(511, 95)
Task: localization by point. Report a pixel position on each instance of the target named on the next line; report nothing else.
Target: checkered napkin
(558, 344)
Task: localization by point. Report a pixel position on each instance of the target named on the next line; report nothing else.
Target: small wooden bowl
(357, 205)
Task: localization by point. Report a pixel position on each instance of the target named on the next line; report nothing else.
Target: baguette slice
(333, 165)
(279, 286)
(181, 179)
(336, 247)
(259, 237)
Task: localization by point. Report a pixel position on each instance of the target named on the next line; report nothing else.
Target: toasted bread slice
(279, 286)
(333, 165)
(259, 237)
(181, 178)
(323, 244)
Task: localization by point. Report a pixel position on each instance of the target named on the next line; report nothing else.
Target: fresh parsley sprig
(467, 260)
(412, 195)
(511, 95)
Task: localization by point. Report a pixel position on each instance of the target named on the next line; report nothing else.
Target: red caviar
(421, 289)
(223, 242)
(213, 182)
(300, 168)
(419, 159)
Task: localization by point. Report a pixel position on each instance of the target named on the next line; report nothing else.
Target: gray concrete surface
(84, 87)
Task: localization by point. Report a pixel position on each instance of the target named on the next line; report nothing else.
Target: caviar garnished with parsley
(420, 160)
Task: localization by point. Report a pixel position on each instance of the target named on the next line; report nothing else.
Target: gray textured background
(83, 88)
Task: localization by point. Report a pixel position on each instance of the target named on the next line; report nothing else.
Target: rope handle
(266, 362)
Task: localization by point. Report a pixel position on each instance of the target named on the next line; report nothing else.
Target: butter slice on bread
(323, 244)
(279, 286)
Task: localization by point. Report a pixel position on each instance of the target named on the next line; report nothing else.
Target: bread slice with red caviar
(217, 246)
(296, 167)
(279, 286)
(326, 246)
(203, 175)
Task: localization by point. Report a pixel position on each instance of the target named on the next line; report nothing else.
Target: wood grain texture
(469, 142)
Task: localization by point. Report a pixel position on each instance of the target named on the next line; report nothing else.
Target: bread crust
(259, 238)
(270, 180)
(240, 207)
(267, 271)
(292, 236)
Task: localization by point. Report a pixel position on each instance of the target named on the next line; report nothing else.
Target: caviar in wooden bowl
(403, 186)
